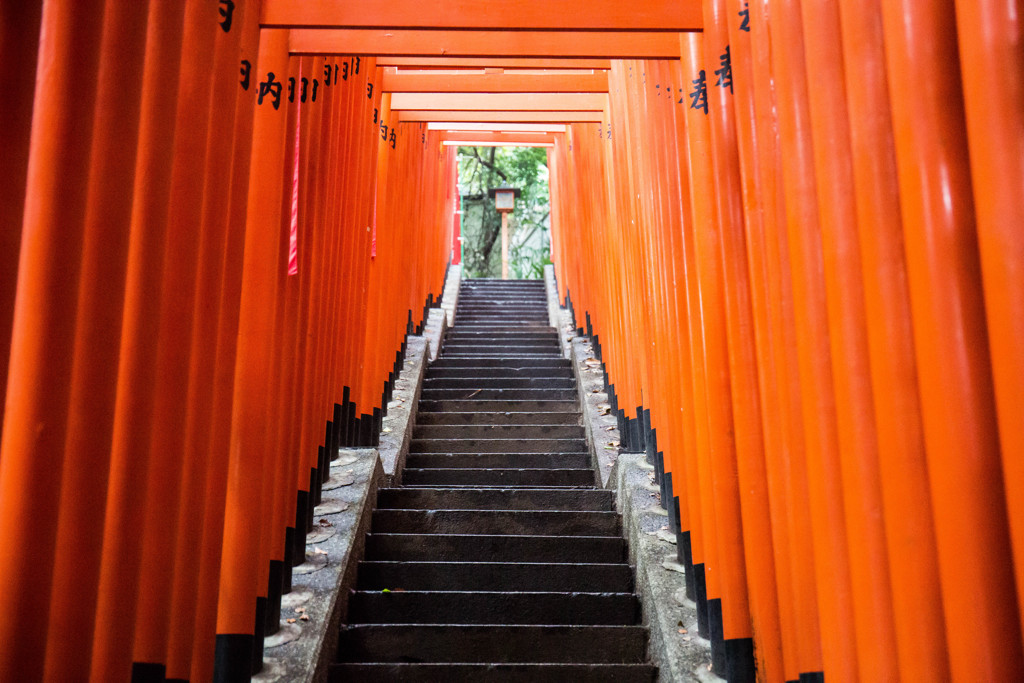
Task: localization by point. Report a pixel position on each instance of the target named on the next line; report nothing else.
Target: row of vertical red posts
(799, 253)
(212, 249)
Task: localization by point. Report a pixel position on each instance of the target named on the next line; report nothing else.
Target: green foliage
(483, 168)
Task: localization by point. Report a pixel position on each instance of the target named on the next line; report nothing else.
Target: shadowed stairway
(497, 559)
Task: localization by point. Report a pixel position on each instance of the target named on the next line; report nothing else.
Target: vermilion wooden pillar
(813, 372)
(244, 503)
(756, 514)
(245, 94)
(990, 37)
(93, 381)
(858, 439)
(19, 45)
(201, 461)
(129, 458)
(951, 340)
(174, 352)
(44, 323)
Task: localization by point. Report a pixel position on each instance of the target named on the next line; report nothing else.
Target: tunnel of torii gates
(794, 231)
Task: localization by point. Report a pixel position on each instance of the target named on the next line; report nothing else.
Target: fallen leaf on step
(318, 551)
(386, 430)
(304, 617)
(291, 621)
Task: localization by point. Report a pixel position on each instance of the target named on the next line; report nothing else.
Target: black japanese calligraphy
(725, 73)
(246, 71)
(745, 13)
(699, 96)
(227, 12)
(270, 87)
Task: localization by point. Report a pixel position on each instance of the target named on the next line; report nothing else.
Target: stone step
(388, 672)
(498, 431)
(487, 522)
(432, 394)
(465, 476)
(508, 549)
(533, 577)
(499, 383)
(482, 373)
(496, 499)
(485, 607)
(459, 333)
(503, 328)
(491, 419)
(500, 344)
(503, 363)
(505, 446)
(511, 355)
(477, 404)
(489, 643)
(540, 461)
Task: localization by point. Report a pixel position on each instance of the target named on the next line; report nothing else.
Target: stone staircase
(497, 559)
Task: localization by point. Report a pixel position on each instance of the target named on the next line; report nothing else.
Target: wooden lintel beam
(470, 143)
(498, 127)
(491, 63)
(495, 83)
(503, 116)
(671, 16)
(500, 101)
(521, 44)
(483, 137)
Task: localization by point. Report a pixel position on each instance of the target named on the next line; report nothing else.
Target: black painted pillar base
(232, 660)
(343, 432)
(646, 436)
(813, 677)
(272, 620)
(365, 430)
(701, 586)
(718, 664)
(289, 556)
(684, 553)
(260, 633)
(336, 432)
(324, 463)
(640, 434)
(311, 500)
(739, 661)
(353, 425)
(315, 485)
(378, 424)
(148, 673)
(300, 530)
(666, 490)
(637, 437)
